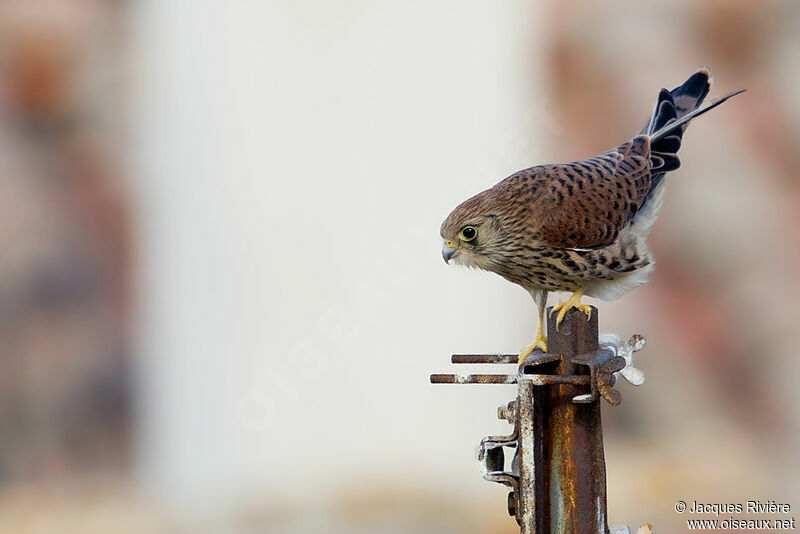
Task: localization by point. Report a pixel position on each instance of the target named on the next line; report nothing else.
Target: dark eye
(468, 233)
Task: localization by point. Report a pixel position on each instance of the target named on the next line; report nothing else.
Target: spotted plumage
(579, 226)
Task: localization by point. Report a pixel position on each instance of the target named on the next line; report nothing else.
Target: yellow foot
(539, 343)
(573, 302)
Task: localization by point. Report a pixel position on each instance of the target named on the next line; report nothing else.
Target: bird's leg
(541, 341)
(573, 302)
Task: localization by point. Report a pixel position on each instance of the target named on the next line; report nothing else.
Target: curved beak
(449, 250)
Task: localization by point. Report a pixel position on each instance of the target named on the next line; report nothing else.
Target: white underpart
(614, 289)
(643, 221)
(637, 230)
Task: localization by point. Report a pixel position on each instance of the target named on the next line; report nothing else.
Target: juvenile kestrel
(578, 226)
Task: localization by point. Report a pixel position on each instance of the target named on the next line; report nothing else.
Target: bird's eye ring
(468, 233)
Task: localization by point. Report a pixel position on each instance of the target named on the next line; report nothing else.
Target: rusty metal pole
(569, 482)
(558, 473)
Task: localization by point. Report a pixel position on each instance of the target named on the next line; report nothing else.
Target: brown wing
(586, 203)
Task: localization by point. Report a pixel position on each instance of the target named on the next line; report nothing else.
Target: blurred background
(221, 290)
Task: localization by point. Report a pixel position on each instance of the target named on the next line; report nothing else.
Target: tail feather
(682, 122)
(693, 91)
(671, 115)
(670, 108)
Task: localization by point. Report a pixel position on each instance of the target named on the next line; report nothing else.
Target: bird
(579, 227)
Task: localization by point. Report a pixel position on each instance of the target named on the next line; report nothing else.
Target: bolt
(507, 413)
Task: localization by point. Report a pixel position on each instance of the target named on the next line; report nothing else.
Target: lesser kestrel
(580, 226)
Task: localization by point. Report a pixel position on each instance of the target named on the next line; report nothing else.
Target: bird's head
(472, 233)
